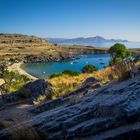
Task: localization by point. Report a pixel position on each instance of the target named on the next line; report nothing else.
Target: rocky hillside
(16, 39)
(25, 48)
(112, 112)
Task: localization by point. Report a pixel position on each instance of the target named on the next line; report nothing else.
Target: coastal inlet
(45, 69)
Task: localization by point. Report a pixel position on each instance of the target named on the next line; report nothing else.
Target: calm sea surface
(44, 70)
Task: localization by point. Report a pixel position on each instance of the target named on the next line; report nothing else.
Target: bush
(55, 75)
(70, 73)
(89, 68)
(13, 81)
(65, 72)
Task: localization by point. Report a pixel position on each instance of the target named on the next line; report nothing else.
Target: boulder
(34, 89)
(31, 91)
(134, 72)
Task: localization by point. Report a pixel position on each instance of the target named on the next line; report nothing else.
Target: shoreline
(16, 67)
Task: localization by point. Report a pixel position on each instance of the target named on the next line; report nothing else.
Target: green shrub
(89, 68)
(55, 75)
(13, 81)
(65, 72)
(70, 73)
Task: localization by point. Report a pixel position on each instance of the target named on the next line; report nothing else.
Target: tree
(118, 52)
(13, 81)
(89, 68)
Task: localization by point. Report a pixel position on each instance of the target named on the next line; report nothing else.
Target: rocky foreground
(111, 112)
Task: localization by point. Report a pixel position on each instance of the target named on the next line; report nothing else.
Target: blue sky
(72, 18)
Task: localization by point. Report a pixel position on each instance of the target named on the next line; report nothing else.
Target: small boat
(73, 58)
(74, 62)
(71, 63)
(83, 55)
(87, 62)
(100, 59)
(44, 72)
(102, 63)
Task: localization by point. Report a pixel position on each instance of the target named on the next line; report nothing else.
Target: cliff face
(65, 54)
(111, 112)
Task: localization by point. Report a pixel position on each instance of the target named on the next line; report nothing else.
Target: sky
(118, 19)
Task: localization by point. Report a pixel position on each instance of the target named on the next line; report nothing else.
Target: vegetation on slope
(89, 68)
(118, 53)
(65, 72)
(12, 81)
(64, 84)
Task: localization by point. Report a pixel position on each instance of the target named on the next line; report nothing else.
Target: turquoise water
(44, 70)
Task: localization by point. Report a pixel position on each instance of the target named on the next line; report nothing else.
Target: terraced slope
(34, 49)
(20, 40)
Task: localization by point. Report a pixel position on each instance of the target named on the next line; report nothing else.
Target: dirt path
(16, 114)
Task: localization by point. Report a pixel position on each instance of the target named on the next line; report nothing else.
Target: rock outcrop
(89, 85)
(30, 91)
(111, 112)
(91, 81)
(34, 89)
(45, 58)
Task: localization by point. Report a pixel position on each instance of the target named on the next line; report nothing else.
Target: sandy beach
(16, 68)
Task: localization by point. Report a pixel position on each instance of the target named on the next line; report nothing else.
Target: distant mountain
(82, 40)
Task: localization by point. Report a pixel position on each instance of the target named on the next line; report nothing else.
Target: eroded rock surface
(30, 91)
(109, 113)
(88, 86)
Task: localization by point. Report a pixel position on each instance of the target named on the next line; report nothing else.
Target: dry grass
(64, 84)
(40, 99)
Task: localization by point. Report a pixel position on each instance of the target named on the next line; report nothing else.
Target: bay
(45, 69)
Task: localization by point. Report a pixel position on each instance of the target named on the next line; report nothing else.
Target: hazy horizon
(72, 18)
(90, 37)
